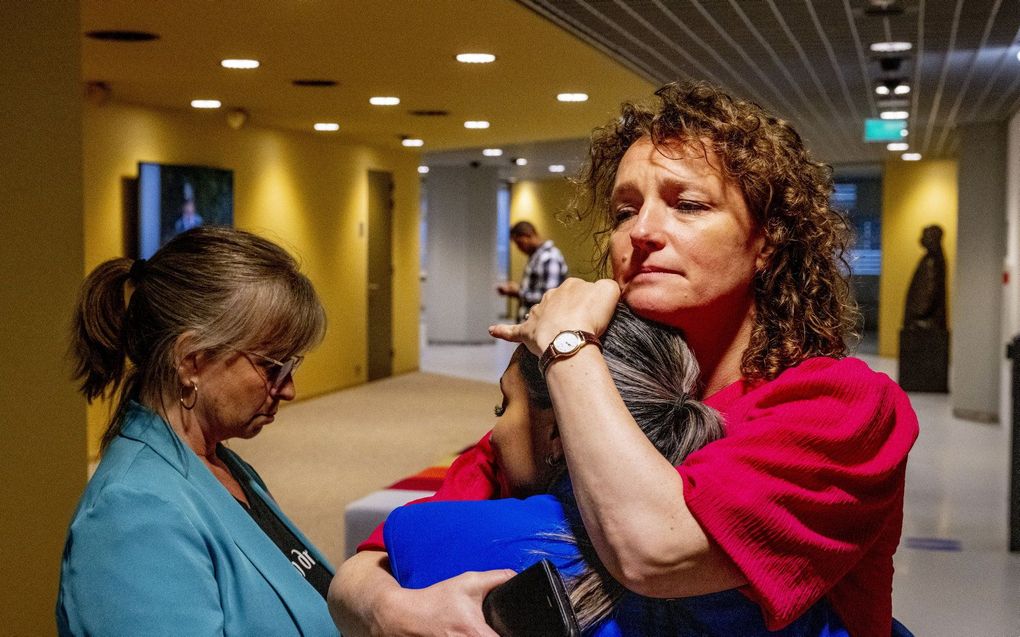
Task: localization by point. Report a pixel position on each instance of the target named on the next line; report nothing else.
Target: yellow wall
(42, 428)
(914, 195)
(308, 192)
(542, 202)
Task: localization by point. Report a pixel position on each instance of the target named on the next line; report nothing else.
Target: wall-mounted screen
(175, 198)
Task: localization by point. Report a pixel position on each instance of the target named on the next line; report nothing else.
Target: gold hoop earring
(180, 399)
(552, 460)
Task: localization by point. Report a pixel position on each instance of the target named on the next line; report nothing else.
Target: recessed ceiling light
(493, 152)
(327, 127)
(557, 168)
(384, 101)
(206, 104)
(520, 161)
(911, 156)
(1018, 55)
(481, 123)
(239, 64)
(901, 89)
(122, 36)
(882, 89)
(476, 58)
(412, 142)
(423, 170)
(891, 47)
(897, 146)
(572, 97)
(894, 115)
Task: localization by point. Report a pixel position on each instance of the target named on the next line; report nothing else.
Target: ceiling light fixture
(894, 115)
(493, 152)
(520, 161)
(572, 97)
(897, 146)
(239, 64)
(891, 47)
(904, 132)
(476, 58)
(327, 127)
(384, 101)
(911, 156)
(423, 170)
(412, 142)
(206, 104)
(892, 87)
(557, 168)
(481, 123)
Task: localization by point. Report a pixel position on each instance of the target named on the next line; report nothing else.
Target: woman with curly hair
(715, 220)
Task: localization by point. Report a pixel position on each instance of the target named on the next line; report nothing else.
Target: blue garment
(433, 541)
(158, 546)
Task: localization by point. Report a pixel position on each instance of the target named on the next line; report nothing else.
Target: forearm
(359, 589)
(630, 497)
(365, 599)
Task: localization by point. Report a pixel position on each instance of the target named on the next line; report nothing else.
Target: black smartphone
(531, 603)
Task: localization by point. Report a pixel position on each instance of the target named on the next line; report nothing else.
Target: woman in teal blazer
(175, 534)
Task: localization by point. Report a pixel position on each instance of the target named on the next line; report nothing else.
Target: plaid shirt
(546, 269)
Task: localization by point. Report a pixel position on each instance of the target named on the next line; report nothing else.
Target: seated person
(656, 376)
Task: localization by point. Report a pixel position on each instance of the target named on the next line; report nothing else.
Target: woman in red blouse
(716, 221)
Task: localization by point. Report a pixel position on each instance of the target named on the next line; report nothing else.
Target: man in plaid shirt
(545, 270)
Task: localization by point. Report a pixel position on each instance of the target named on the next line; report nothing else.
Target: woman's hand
(451, 607)
(365, 600)
(574, 305)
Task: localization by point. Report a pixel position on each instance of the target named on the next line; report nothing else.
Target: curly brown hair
(803, 305)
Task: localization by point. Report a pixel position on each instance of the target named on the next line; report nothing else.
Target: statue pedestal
(924, 360)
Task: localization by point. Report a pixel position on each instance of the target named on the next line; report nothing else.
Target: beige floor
(324, 452)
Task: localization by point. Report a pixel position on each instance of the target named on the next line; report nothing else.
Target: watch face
(566, 342)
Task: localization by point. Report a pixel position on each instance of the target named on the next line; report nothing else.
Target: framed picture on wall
(173, 198)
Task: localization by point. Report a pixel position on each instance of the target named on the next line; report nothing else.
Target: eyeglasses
(279, 371)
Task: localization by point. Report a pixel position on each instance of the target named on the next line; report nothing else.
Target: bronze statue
(926, 298)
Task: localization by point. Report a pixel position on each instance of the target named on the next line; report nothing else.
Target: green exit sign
(884, 130)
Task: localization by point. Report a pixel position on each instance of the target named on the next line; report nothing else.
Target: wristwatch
(565, 345)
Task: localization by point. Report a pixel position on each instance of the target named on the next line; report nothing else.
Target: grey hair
(230, 289)
(657, 376)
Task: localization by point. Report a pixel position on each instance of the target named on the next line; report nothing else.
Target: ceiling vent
(883, 8)
(122, 36)
(429, 113)
(314, 83)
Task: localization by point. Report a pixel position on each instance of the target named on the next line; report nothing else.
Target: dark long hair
(657, 376)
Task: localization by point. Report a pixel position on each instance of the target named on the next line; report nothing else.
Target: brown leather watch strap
(551, 354)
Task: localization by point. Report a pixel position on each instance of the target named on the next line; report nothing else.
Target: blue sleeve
(433, 541)
(134, 564)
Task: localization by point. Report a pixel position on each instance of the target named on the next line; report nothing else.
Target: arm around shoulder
(365, 599)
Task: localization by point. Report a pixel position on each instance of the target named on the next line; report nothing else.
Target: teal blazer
(158, 546)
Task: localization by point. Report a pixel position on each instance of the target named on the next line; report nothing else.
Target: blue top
(158, 546)
(433, 541)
